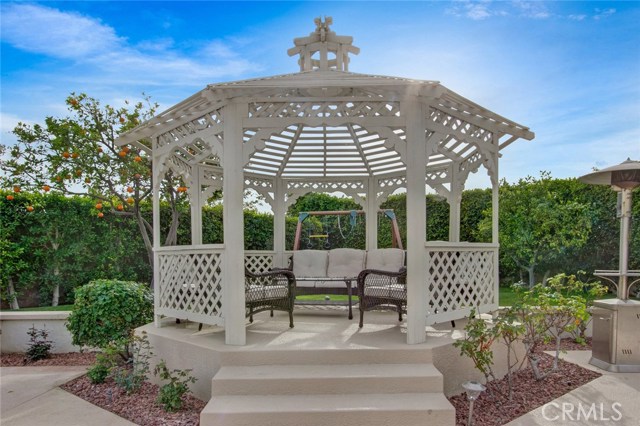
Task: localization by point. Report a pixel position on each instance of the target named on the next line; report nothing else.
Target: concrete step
(326, 379)
(405, 355)
(407, 409)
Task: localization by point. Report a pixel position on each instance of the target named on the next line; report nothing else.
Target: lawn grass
(332, 297)
(47, 308)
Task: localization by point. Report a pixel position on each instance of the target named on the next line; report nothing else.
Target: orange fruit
(129, 189)
(122, 153)
(66, 154)
(120, 207)
(58, 178)
(121, 119)
(10, 197)
(137, 176)
(137, 159)
(87, 180)
(29, 208)
(79, 172)
(46, 188)
(16, 188)
(99, 149)
(100, 214)
(98, 206)
(73, 102)
(130, 200)
(75, 155)
(126, 149)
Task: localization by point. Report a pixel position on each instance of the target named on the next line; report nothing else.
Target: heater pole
(625, 231)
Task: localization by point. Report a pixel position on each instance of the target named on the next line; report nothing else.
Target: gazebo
(324, 129)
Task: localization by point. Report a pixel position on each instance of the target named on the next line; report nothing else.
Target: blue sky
(568, 70)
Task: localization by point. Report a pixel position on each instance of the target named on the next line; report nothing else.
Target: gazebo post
(455, 199)
(279, 223)
(416, 221)
(495, 217)
(195, 200)
(371, 213)
(155, 197)
(233, 302)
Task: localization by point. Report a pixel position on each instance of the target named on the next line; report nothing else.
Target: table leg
(349, 292)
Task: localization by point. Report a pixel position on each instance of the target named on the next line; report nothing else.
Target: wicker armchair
(270, 291)
(382, 290)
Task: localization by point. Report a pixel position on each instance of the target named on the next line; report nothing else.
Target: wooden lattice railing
(190, 283)
(460, 276)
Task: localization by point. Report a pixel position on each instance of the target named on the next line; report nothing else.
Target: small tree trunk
(555, 360)
(509, 380)
(55, 300)
(532, 276)
(55, 244)
(13, 297)
(546, 277)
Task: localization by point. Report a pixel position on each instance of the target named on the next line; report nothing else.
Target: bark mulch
(493, 408)
(71, 358)
(139, 407)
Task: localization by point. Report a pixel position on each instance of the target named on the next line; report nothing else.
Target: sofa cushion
(387, 259)
(345, 262)
(310, 263)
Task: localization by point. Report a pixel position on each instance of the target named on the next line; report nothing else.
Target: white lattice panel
(190, 285)
(324, 109)
(258, 262)
(458, 280)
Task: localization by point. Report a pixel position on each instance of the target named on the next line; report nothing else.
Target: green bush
(170, 395)
(105, 361)
(106, 312)
(39, 344)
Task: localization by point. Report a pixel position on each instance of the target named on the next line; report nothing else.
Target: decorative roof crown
(323, 49)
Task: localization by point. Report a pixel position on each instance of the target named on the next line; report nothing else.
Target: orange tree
(77, 155)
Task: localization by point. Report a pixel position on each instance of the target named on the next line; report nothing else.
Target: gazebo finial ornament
(331, 51)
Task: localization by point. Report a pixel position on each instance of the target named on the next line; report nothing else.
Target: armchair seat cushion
(256, 292)
(392, 291)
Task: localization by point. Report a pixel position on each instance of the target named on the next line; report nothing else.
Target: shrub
(106, 312)
(170, 395)
(105, 361)
(133, 373)
(39, 345)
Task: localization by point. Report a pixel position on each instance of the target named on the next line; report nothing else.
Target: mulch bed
(493, 408)
(568, 345)
(140, 407)
(71, 358)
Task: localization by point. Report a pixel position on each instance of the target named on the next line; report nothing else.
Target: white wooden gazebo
(324, 129)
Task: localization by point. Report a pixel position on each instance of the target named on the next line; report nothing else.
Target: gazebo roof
(325, 121)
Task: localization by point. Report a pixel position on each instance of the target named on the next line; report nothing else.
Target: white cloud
(534, 10)
(580, 17)
(600, 14)
(96, 48)
(66, 35)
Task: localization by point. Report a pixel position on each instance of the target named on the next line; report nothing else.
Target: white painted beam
(416, 221)
(233, 300)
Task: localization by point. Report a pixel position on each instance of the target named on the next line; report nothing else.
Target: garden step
(326, 379)
(406, 409)
(406, 355)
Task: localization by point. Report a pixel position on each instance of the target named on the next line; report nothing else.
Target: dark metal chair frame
(278, 287)
(393, 294)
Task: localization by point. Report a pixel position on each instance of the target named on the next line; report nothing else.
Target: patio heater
(616, 341)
